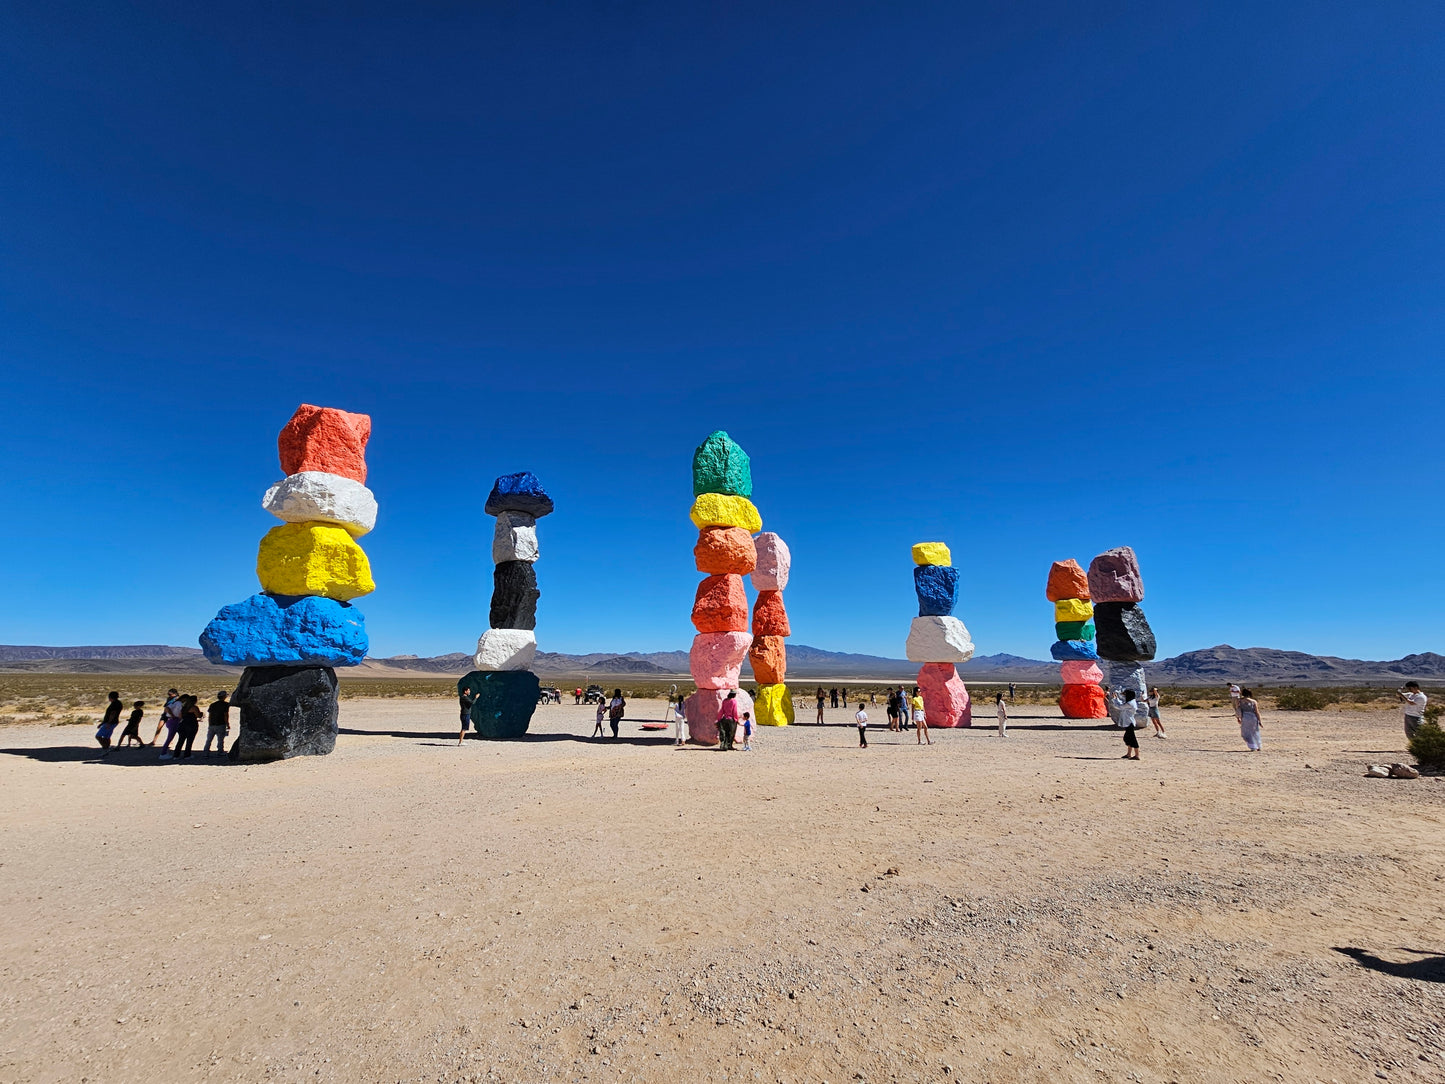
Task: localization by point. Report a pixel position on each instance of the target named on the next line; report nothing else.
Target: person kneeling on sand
(1127, 718)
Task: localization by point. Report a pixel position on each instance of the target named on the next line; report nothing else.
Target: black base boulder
(503, 701)
(514, 596)
(1122, 632)
(286, 711)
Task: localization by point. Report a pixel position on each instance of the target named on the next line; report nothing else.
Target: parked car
(549, 694)
(595, 695)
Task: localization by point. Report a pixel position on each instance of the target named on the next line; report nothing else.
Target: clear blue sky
(1036, 281)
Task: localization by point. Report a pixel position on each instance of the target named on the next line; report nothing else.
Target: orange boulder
(1067, 579)
(721, 605)
(725, 551)
(325, 439)
(769, 659)
(769, 617)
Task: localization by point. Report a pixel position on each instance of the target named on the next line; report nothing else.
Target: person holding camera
(1413, 701)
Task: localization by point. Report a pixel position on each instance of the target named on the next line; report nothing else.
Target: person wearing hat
(218, 724)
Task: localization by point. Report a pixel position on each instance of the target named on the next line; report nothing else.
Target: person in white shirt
(679, 719)
(1413, 701)
(1127, 711)
(1002, 709)
(1154, 713)
(861, 718)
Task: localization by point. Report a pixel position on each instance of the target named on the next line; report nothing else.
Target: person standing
(861, 719)
(727, 722)
(218, 724)
(601, 715)
(188, 728)
(132, 726)
(1249, 721)
(821, 697)
(833, 696)
(108, 722)
(464, 702)
(892, 708)
(1010, 692)
(165, 719)
(1154, 713)
(1127, 720)
(920, 720)
(1002, 710)
(1413, 701)
(1234, 698)
(679, 718)
(747, 732)
(905, 713)
(615, 710)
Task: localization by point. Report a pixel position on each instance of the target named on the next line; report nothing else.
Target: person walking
(727, 722)
(465, 700)
(1249, 721)
(1234, 692)
(601, 715)
(132, 726)
(1413, 701)
(175, 709)
(165, 719)
(1127, 720)
(920, 720)
(189, 727)
(108, 722)
(861, 719)
(1154, 713)
(892, 709)
(218, 724)
(1002, 710)
(615, 710)
(821, 697)
(747, 732)
(905, 716)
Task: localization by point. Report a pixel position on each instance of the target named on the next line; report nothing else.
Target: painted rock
(313, 559)
(1125, 675)
(701, 708)
(725, 551)
(937, 588)
(1077, 672)
(1067, 579)
(945, 697)
(515, 538)
(283, 630)
(938, 639)
(520, 492)
(721, 605)
(720, 466)
(931, 553)
(721, 510)
(1073, 609)
(1074, 630)
(1114, 576)
(505, 649)
(774, 706)
(716, 659)
(768, 656)
(285, 711)
(314, 496)
(1123, 633)
(775, 561)
(325, 439)
(514, 596)
(502, 702)
(770, 618)
(1083, 702)
(1071, 650)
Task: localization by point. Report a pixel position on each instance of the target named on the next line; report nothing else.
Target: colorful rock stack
(1068, 590)
(503, 689)
(768, 655)
(1124, 636)
(292, 635)
(722, 482)
(938, 639)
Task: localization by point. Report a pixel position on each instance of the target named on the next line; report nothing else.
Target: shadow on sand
(124, 758)
(1430, 968)
(429, 737)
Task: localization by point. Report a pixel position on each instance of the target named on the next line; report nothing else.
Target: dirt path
(1025, 909)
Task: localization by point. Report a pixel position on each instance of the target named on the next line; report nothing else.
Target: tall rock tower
(938, 639)
(1125, 638)
(1074, 648)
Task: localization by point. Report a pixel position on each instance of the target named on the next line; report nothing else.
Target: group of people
(180, 718)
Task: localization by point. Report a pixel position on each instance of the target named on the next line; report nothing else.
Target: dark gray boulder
(1122, 632)
(286, 711)
(514, 596)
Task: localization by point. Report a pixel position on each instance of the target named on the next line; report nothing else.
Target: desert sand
(564, 909)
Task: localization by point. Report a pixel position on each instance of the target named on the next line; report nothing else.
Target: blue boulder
(519, 492)
(937, 587)
(1074, 650)
(502, 701)
(286, 630)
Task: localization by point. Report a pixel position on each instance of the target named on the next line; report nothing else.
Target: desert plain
(1030, 908)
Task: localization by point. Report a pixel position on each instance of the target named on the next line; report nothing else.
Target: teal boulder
(720, 466)
(502, 701)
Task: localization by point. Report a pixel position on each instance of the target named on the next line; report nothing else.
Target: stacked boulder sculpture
(1124, 637)
(937, 639)
(301, 626)
(1074, 647)
(723, 513)
(503, 689)
(768, 655)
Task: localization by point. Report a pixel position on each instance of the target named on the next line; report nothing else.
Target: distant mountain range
(1210, 666)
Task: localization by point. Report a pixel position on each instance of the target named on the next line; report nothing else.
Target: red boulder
(721, 605)
(325, 439)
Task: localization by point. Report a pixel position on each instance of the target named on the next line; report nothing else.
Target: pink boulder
(701, 709)
(1114, 577)
(325, 439)
(945, 697)
(716, 658)
(1077, 672)
(774, 563)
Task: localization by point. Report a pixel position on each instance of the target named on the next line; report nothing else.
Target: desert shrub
(1193, 706)
(1428, 745)
(1303, 699)
(1433, 712)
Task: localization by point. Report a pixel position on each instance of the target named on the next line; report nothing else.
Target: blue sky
(1035, 281)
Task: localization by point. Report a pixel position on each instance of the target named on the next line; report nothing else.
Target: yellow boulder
(773, 707)
(313, 559)
(725, 510)
(932, 553)
(1073, 609)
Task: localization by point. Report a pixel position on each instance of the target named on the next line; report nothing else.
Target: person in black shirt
(218, 724)
(189, 727)
(132, 726)
(464, 698)
(109, 721)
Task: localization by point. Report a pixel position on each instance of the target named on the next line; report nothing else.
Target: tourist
(601, 715)
(1249, 722)
(747, 732)
(188, 725)
(920, 720)
(1413, 701)
(821, 696)
(727, 722)
(833, 696)
(174, 707)
(1154, 713)
(1234, 692)
(165, 719)
(1010, 692)
(577, 696)
(905, 714)
(218, 724)
(615, 710)
(1127, 720)
(892, 709)
(465, 701)
(679, 719)
(861, 718)
(1002, 710)
(132, 726)
(873, 696)
(108, 722)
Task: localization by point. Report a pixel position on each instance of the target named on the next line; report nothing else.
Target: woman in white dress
(1249, 724)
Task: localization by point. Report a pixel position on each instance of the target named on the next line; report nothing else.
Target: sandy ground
(1025, 909)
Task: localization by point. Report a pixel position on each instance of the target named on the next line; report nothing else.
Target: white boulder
(506, 649)
(939, 639)
(774, 563)
(313, 496)
(516, 538)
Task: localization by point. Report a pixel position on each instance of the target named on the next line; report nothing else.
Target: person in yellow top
(920, 720)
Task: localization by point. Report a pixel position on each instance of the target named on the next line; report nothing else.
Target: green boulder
(1074, 630)
(720, 466)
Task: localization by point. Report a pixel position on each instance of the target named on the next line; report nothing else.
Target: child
(132, 725)
(601, 714)
(1002, 715)
(747, 732)
(1154, 713)
(108, 723)
(1127, 720)
(861, 718)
